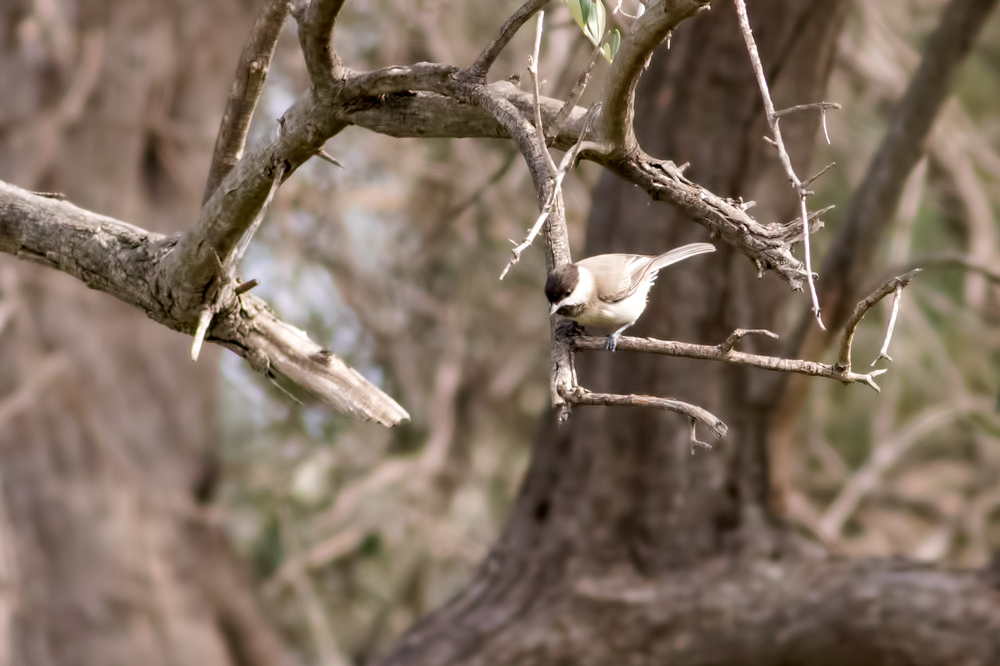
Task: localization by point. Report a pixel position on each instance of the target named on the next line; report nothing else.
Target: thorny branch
(773, 120)
(724, 352)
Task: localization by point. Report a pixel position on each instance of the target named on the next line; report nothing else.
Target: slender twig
(809, 181)
(726, 354)
(575, 94)
(822, 106)
(533, 71)
(843, 363)
(741, 333)
(248, 82)
(327, 157)
(694, 437)
(884, 352)
(773, 118)
(476, 72)
(581, 396)
(560, 174)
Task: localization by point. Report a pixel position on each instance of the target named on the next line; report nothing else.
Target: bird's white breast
(623, 312)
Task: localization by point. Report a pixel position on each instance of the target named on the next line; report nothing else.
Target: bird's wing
(616, 276)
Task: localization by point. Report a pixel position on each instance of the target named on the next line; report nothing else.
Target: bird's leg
(612, 342)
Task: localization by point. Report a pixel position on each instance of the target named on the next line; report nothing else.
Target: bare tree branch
(860, 310)
(476, 72)
(574, 95)
(581, 396)
(633, 55)
(191, 269)
(885, 455)
(774, 122)
(316, 19)
(726, 354)
(122, 260)
(251, 72)
(884, 351)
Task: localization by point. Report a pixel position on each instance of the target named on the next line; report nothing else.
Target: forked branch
(895, 285)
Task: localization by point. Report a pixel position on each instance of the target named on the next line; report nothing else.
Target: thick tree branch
(443, 110)
(822, 613)
(191, 269)
(251, 72)
(123, 261)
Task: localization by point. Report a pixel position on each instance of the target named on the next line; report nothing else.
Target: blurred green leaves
(592, 18)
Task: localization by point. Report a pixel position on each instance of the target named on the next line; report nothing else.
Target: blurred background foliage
(355, 531)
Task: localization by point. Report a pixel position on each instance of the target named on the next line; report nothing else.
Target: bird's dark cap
(561, 282)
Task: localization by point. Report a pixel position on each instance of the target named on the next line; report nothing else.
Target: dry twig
(581, 396)
(843, 363)
(773, 120)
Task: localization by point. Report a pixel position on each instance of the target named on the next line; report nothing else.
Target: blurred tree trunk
(111, 558)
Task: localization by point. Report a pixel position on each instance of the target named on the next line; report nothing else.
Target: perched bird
(610, 289)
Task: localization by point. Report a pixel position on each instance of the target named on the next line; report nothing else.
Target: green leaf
(611, 50)
(591, 16)
(597, 22)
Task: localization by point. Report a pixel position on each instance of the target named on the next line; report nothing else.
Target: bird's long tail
(680, 254)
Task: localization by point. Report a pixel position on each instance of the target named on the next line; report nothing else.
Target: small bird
(610, 289)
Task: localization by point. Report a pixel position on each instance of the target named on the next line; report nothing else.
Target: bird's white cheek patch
(583, 292)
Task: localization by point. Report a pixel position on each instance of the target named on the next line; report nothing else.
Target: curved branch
(636, 49)
(476, 72)
(861, 309)
(316, 21)
(581, 396)
(251, 72)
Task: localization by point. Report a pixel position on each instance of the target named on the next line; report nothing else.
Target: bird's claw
(612, 342)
